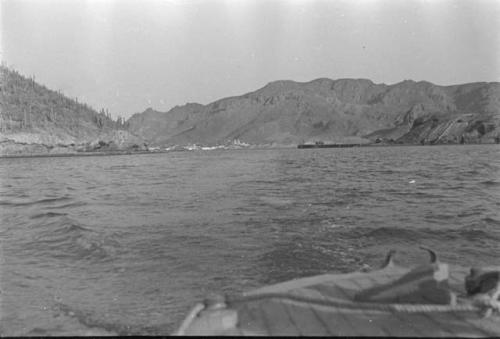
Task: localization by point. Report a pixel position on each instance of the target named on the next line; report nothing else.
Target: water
(126, 244)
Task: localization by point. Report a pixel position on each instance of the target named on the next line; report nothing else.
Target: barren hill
(344, 110)
(35, 119)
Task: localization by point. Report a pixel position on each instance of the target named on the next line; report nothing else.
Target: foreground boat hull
(323, 305)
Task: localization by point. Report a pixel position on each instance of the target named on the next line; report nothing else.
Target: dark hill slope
(33, 116)
(345, 110)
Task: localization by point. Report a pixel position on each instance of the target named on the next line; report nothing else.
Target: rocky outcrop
(34, 119)
(288, 112)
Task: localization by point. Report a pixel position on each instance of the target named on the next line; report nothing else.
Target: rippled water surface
(126, 244)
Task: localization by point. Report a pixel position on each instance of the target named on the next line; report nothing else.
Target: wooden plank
(447, 323)
(341, 321)
(277, 319)
(359, 323)
(336, 322)
(331, 291)
(250, 319)
(393, 326)
(295, 284)
(481, 326)
(324, 323)
(377, 279)
(408, 326)
(345, 285)
(368, 281)
(339, 325)
(248, 333)
(489, 325)
(431, 324)
(386, 275)
(231, 332)
(306, 320)
(390, 272)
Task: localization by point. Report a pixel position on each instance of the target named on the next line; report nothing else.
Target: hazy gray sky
(129, 55)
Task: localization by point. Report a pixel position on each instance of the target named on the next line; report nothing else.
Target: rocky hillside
(35, 119)
(345, 110)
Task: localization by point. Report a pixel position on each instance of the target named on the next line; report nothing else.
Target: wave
(71, 204)
(384, 234)
(65, 238)
(493, 221)
(276, 201)
(88, 319)
(111, 326)
(47, 215)
(120, 167)
(393, 232)
(490, 183)
(35, 202)
(419, 195)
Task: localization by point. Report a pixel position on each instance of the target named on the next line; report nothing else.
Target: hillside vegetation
(36, 119)
(345, 111)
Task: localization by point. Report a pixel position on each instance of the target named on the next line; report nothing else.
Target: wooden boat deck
(323, 306)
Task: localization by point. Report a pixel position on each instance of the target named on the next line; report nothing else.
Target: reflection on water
(126, 244)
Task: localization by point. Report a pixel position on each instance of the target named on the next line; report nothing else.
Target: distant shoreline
(90, 154)
(79, 154)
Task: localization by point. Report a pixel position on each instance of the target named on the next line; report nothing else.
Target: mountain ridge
(285, 112)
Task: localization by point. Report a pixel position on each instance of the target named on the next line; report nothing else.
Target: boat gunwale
(288, 292)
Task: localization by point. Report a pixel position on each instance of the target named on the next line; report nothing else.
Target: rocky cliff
(345, 110)
(34, 119)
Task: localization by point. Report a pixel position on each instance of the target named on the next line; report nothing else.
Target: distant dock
(322, 145)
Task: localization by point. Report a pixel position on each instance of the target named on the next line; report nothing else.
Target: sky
(128, 55)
